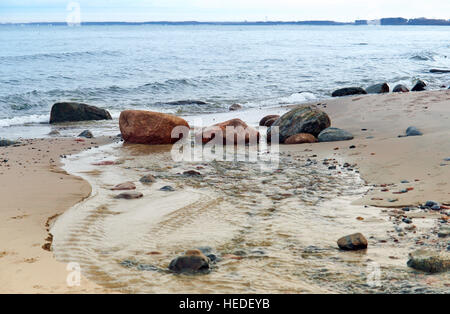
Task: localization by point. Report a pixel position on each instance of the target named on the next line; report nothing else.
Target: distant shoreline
(382, 22)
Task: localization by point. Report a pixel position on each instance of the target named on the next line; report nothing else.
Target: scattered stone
(400, 89)
(419, 86)
(72, 111)
(413, 131)
(348, 91)
(301, 138)
(124, 186)
(148, 127)
(268, 120)
(407, 221)
(334, 135)
(86, 134)
(378, 89)
(129, 195)
(194, 261)
(192, 173)
(235, 107)
(147, 179)
(303, 119)
(242, 132)
(444, 232)
(353, 242)
(431, 262)
(167, 188)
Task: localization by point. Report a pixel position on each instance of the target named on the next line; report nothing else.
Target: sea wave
(61, 55)
(22, 120)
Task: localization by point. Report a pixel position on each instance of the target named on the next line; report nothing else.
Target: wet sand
(274, 231)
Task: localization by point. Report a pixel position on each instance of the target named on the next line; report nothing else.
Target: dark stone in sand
(349, 91)
(147, 179)
(86, 134)
(269, 120)
(194, 261)
(378, 89)
(192, 173)
(235, 107)
(167, 188)
(439, 71)
(428, 261)
(420, 86)
(124, 186)
(352, 242)
(4, 143)
(72, 111)
(334, 135)
(129, 195)
(301, 138)
(303, 119)
(413, 131)
(400, 89)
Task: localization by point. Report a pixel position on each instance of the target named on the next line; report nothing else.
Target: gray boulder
(303, 119)
(400, 89)
(349, 91)
(86, 134)
(334, 135)
(235, 107)
(431, 262)
(5, 142)
(413, 131)
(72, 111)
(378, 89)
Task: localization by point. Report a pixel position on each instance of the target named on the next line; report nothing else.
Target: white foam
(21, 120)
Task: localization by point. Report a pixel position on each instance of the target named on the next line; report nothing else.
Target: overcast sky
(221, 10)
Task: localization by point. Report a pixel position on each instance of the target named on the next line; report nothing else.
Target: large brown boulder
(241, 132)
(301, 138)
(353, 242)
(73, 111)
(147, 127)
(268, 120)
(303, 119)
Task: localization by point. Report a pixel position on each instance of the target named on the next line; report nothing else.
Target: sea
(119, 67)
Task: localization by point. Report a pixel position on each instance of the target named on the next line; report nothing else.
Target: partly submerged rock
(400, 89)
(235, 107)
(148, 127)
(54, 133)
(439, 71)
(124, 186)
(73, 111)
(301, 138)
(5, 142)
(413, 131)
(86, 134)
(129, 195)
(378, 89)
(429, 261)
(238, 132)
(147, 179)
(334, 135)
(353, 242)
(419, 86)
(194, 261)
(303, 119)
(347, 91)
(185, 102)
(167, 188)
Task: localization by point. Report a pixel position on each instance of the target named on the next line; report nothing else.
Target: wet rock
(147, 127)
(240, 134)
(334, 135)
(378, 89)
(54, 133)
(419, 86)
(192, 173)
(349, 91)
(400, 89)
(185, 102)
(235, 107)
(124, 186)
(439, 71)
(353, 242)
(301, 138)
(413, 131)
(73, 111)
(5, 143)
(86, 134)
(303, 119)
(129, 195)
(193, 261)
(167, 188)
(147, 179)
(429, 261)
(267, 121)
(444, 232)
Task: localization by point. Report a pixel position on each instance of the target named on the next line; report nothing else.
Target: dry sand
(33, 192)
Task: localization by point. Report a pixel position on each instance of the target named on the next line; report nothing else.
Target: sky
(218, 10)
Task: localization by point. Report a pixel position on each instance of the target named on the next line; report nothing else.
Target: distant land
(383, 21)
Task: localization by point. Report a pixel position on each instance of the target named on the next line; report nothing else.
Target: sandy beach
(35, 191)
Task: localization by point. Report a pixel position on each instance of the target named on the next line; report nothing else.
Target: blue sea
(147, 66)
